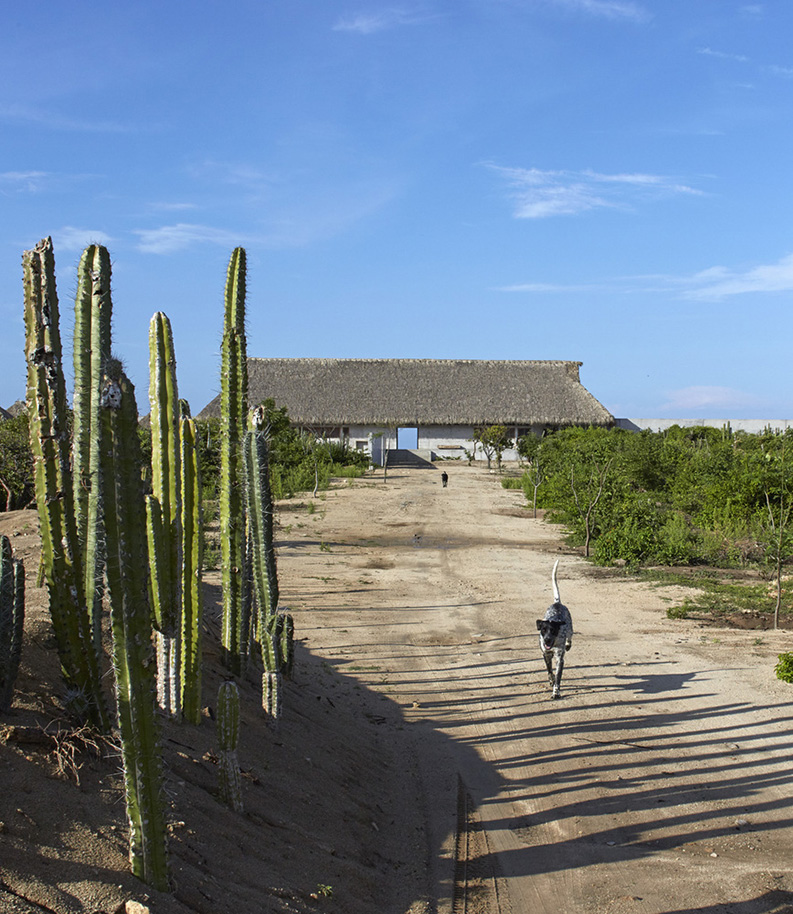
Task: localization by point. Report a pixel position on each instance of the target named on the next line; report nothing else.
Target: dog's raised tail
(556, 597)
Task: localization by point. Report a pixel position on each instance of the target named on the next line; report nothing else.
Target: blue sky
(600, 180)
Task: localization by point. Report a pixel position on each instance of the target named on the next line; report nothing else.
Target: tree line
(684, 496)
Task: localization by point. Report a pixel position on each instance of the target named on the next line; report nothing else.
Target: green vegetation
(687, 496)
(16, 464)
(784, 669)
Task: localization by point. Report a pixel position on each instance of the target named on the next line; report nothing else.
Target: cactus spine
(165, 542)
(49, 438)
(92, 340)
(228, 716)
(234, 405)
(130, 614)
(12, 620)
(192, 606)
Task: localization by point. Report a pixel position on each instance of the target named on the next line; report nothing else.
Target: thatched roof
(422, 392)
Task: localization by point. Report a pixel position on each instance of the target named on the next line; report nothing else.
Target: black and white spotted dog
(556, 636)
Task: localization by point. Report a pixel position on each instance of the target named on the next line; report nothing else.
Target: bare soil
(421, 766)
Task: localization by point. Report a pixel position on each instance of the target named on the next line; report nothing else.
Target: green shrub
(784, 668)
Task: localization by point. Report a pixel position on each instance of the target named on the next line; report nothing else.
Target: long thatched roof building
(383, 393)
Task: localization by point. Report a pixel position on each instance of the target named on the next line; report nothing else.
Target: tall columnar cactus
(228, 720)
(50, 444)
(234, 407)
(12, 620)
(130, 614)
(260, 516)
(92, 341)
(192, 561)
(165, 548)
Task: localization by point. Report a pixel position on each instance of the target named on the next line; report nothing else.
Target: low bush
(784, 668)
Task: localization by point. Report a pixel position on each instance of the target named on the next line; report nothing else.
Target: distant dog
(556, 636)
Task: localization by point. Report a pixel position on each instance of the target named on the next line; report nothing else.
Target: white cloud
(56, 121)
(170, 238)
(712, 284)
(378, 21)
(784, 72)
(539, 194)
(708, 399)
(16, 181)
(709, 52)
(172, 207)
(609, 9)
(70, 238)
(717, 283)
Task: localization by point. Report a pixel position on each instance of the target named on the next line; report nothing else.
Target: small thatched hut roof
(423, 392)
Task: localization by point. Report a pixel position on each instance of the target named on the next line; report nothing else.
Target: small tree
(494, 440)
(775, 535)
(587, 494)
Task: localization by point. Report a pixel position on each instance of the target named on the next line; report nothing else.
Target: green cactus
(260, 517)
(165, 551)
(277, 646)
(234, 405)
(130, 614)
(228, 721)
(50, 444)
(92, 340)
(12, 620)
(285, 627)
(192, 561)
(271, 696)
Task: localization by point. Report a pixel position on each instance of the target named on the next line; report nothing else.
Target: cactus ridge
(234, 405)
(130, 613)
(12, 620)
(50, 444)
(260, 520)
(92, 352)
(228, 731)
(271, 696)
(166, 542)
(192, 562)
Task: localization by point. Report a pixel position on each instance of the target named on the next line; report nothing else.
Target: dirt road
(659, 783)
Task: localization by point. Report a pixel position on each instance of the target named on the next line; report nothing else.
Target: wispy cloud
(71, 238)
(722, 55)
(712, 284)
(718, 282)
(54, 120)
(608, 9)
(170, 238)
(539, 194)
(784, 72)
(22, 181)
(163, 207)
(707, 399)
(379, 21)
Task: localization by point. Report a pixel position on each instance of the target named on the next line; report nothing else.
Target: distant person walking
(444, 478)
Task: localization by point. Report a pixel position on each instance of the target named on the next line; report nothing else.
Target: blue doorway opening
(407, 438)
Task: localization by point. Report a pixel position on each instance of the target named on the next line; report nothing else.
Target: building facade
(432, 405)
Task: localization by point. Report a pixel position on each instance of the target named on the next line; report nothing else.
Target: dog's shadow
(653, 684)
(641, 682)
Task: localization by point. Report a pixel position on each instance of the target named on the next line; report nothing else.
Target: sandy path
(659, 783)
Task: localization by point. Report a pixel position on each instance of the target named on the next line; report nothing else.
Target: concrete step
(416, 458)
